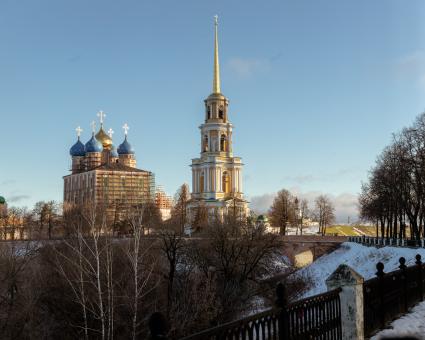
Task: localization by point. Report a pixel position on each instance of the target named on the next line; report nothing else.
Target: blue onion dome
(2, 200)
(78, 149)
(93, 145)
(125, 148)
(114, 153)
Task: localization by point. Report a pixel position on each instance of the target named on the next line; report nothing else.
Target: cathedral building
(106, 176)
(217, 173)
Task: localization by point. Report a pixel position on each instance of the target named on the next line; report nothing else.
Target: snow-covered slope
(361, 258)
(409, 325)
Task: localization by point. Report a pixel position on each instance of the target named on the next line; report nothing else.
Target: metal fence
(390, 295)
(387, 241)
(316, 317)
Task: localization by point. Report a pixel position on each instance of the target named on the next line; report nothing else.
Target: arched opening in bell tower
(223, 143)
(201, 182)
(205, 144)
(221, 112)
(225, 182)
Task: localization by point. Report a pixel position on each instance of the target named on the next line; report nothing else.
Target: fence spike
(380, 269)
(402, 262)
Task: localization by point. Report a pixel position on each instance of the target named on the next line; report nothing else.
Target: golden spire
(216, 80)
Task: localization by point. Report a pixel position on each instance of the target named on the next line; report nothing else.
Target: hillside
(361, 258)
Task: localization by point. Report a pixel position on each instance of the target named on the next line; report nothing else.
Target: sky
(316, 88)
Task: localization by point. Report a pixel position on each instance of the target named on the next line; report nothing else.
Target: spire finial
(216, 80)
(101, 116)
(79, 130)
(126, 128)
(93, 126)
(110, 132)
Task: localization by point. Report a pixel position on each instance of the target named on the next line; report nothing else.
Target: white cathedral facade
(217, 173)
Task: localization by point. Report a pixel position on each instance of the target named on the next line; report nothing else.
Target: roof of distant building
(2, 200)
(118, 167)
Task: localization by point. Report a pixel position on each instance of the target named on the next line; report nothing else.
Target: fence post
(158, 326)
(420, 271)
(380, 274)
(351, 299)
(282, 303)
(403, 267)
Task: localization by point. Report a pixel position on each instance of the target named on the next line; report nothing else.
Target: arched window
(209, 112)
(223, 143)
(201, 182)
(225, 182)
(221, 112)
(205, 144)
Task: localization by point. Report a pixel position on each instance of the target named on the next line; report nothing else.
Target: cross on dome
(126, 128)
(93, 126)
(79, 130)
(101, 116)
(216, 19)
(110, 132)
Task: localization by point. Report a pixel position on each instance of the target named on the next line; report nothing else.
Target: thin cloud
(309, 178)
(7, 182)
(247, 67)
(17, 198)
(412, 66)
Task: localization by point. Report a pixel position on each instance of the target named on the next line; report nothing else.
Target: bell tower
(217, 174)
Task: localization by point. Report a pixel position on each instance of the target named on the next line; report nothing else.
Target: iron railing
(390, 295)
(317, 317)
(387, 241)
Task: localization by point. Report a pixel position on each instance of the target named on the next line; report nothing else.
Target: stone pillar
(351, 296)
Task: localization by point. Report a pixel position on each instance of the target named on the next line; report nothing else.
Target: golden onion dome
(103, 138)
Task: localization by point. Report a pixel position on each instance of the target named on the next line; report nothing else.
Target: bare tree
(179, 211)
(137, 251)
(325, 212)
(282, 212)
(172, 245)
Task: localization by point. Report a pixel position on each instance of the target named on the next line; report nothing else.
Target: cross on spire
(79, 130)
(110, 132)
(93, 126)
(101, 116)
(126, 128)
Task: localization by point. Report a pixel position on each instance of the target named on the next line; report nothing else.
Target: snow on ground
(409, 325)
(361, 258)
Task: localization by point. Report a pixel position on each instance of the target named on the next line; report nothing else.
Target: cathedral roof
(77, 149)
(118, 167)
(93, 145)
(125, 148)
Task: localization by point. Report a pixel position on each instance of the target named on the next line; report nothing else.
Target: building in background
(3, 207)
(105, 176)
(217, 174)
(164, 203)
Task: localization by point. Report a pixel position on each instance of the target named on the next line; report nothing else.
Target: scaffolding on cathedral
(105, 176)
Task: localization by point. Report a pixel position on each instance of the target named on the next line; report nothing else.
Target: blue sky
(316, 87)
